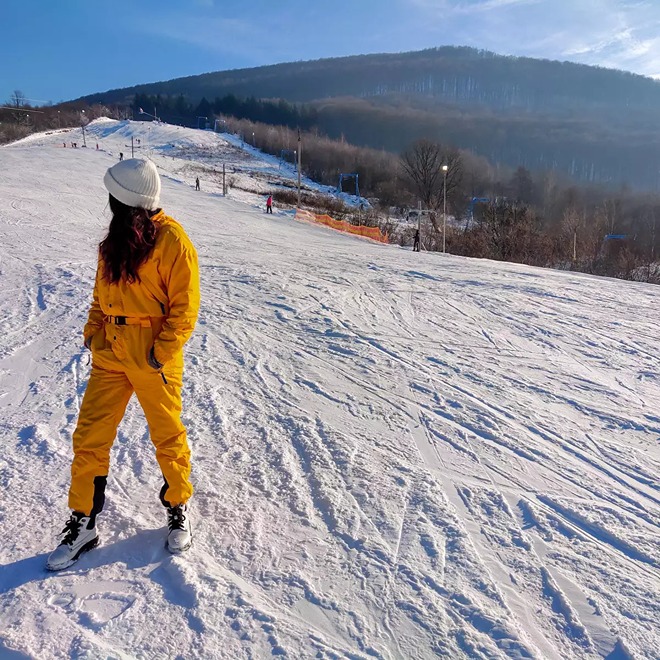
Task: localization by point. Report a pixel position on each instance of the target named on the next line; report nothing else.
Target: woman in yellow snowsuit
(144, 308)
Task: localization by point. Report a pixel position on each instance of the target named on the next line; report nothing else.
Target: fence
(372, 233)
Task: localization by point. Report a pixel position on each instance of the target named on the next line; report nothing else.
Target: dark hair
(130, 239)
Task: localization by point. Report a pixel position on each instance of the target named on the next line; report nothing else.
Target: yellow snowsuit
(125, 321)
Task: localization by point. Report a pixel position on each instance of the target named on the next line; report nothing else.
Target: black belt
(144, 321)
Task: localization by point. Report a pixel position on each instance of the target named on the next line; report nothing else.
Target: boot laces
(71, 529)
(176, 518)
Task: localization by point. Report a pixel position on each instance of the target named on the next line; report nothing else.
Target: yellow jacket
(167, 292)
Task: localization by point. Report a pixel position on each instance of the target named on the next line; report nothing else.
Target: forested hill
(595, 124)
(449, 74)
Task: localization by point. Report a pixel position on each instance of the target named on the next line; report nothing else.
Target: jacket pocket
(97, 340)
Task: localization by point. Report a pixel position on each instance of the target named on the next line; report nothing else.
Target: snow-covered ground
(396, 455)
(184, 154)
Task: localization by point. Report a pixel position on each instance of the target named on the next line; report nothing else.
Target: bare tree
(573, 222)
(422, 164)
(598, 228)
(612, 212)
(652, 228)
(18, 100)
(509, 228)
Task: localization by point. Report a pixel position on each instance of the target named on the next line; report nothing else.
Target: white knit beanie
(134, 182)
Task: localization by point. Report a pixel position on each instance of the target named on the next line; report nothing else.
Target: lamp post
(299, 150)
(253, 138)
(154, 116)
(82, 125)
(59, 125)
(445, 169)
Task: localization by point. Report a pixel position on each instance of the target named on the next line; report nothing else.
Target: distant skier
(269, 204)
(144, 308)
(416, 241)
(97, 146)
(121, 156)
(197, 183)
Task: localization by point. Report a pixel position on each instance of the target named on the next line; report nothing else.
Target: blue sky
(56, 50)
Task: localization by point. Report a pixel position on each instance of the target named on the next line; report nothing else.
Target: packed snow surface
(395, 455)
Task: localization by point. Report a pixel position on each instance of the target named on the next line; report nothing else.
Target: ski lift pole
(133, 147)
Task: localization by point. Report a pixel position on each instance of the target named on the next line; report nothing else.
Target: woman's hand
(153, 362)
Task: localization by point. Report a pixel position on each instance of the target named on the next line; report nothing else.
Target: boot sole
(178, 551)
(90, 545)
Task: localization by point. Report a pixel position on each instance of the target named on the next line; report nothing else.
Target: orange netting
(373, 233)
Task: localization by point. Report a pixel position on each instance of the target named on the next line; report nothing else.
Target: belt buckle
(120, 320)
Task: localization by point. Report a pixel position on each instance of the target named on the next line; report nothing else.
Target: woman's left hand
(153, 362)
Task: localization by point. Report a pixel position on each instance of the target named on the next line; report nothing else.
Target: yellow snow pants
(119, 368)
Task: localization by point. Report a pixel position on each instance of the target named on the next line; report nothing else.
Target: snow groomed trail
(395, 455)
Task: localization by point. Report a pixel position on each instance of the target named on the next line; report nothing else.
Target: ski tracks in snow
(392, 458)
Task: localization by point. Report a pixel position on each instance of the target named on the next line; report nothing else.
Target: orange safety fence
(373, 233)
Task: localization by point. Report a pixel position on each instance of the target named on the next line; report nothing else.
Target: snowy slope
(186, 153)
(396, 455)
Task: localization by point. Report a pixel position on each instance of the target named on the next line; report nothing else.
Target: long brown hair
(130, 239)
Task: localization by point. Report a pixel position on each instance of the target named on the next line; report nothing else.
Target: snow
(395, 455)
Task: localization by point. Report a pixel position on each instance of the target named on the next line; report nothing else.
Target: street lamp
(82, 125)
(253, 138)
(445, 169)
(299, 151)
(155, 116)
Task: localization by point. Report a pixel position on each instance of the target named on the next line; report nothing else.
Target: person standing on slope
(269, 204)
(144, 309)
(197, 183)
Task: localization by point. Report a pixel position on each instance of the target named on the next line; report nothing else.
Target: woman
(144, 308)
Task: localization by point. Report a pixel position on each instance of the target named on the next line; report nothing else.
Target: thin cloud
(490, 5)
(611, 33)
(457, 7)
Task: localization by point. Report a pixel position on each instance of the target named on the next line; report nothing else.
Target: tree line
(179, 110)
(540, 219)
(457, 75)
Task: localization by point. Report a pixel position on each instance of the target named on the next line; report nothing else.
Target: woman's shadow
(146, 547)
